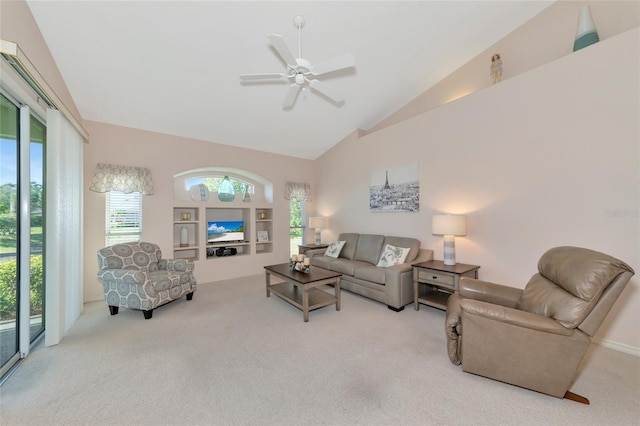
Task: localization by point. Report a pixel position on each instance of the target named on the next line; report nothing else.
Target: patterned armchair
(135, 276)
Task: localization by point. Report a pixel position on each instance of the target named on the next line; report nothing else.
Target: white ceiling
(172, 66)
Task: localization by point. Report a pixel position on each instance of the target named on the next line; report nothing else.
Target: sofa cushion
(369, 248)
(350, 242)
(411, 243)
(392, 255)
(322, 261)
(347, 267)
(370, 273)
(334, 249)
(164, 280)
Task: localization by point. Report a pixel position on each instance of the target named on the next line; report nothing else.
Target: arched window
(261, 189)
(213, 183)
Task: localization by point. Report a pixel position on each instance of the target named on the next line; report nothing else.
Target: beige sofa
(357, 262)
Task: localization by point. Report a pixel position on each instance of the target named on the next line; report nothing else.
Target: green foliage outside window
(213, 183)
(8, 290)
(295, 219)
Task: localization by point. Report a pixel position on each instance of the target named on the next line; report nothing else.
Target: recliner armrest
(514, 317)
(489, 292)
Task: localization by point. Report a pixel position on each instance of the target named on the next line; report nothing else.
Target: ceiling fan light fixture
(300, 71)
(298, 21)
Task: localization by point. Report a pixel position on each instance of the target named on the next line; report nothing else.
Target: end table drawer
(437, 277)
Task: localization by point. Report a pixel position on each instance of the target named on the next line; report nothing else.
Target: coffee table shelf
(301, 290)
(293, 295)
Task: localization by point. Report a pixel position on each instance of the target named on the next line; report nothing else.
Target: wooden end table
(441, 281)
(301, 290)
(303, 248)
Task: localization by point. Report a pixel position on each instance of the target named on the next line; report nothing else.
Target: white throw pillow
(334, 249)
(392, 255)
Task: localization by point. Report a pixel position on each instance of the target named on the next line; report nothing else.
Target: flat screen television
(225, 231)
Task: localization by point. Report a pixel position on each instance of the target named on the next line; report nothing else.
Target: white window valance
(110, 177)
(299, 191)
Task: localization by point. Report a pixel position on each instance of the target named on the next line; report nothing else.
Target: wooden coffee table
(301, 290)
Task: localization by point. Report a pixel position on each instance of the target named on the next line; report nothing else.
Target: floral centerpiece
(300, 263)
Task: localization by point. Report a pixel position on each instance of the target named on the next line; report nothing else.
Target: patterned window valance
(299, 191)
(109, 177)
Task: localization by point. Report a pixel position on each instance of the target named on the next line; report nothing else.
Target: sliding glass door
(22, 212)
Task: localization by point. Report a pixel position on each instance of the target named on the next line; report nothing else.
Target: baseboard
(620, 347)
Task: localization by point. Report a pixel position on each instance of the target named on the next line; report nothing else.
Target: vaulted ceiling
(173, 66)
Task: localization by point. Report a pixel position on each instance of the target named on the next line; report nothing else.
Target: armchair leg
(575, 397)
(113, 310)
(189, 296)
(148, 314)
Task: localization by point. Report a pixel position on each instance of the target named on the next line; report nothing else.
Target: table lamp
(318, 223)
(449, 225)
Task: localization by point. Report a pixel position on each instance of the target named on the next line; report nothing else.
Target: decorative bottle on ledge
(226, 193)
(184, 236)
(586, 33)
(246, 198)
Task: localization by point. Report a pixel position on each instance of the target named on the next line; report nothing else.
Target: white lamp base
(449, 250)
(318, 237)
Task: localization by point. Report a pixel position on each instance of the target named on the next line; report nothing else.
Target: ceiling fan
(300, 72)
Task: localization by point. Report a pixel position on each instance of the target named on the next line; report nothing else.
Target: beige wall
(536, 161)
(166, 156)
(544, 38)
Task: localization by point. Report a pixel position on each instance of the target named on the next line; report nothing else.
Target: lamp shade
(317, 222)
(449, 224)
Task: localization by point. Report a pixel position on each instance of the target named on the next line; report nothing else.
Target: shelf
(229, 244)
(196, 220)
(435, 298)
(191, 217)
(293, 295)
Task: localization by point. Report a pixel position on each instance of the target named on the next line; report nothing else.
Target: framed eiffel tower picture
(395, 189)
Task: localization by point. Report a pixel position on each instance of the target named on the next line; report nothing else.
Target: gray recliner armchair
(535, 337)
(134, 275)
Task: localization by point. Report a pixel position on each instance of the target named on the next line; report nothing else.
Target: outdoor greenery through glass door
(10, 246)
(296, 224)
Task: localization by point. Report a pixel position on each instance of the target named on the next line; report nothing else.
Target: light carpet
(233, 357)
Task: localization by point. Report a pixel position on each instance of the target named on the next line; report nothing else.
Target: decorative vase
(184, 237)
(246, 198)
(586, 33)
(226, 193)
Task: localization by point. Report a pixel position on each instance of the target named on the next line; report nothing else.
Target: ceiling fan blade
(290, 97)
(252, 77)
(335, 64)
(278, 42)
(325, 90)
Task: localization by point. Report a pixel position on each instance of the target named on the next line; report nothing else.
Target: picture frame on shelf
(263, 236)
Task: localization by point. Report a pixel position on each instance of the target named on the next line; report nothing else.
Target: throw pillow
(392, 255)
(334, 249)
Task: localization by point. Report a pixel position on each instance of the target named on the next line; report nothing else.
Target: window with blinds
(123, 217)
